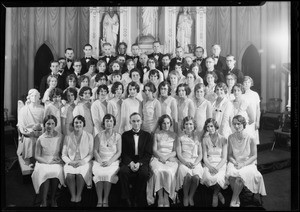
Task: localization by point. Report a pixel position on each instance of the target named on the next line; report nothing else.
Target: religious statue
(184, 29)
(149, 17)
(110, 27)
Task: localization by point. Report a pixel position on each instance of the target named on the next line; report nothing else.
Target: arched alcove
(41, 63)
(251, 66)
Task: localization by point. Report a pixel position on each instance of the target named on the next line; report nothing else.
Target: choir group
(169, 123)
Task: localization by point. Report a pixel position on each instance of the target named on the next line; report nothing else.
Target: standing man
(220, 61)
(165, 67)
(122, 49)
(135, 54)
(178, 59)
(230, 62)
(199, 57)
(69, 55)
(77, 68)
(142, 66)
(210, 68)
(88, 51)
(136, 154)
(108, 58)
(156, 53)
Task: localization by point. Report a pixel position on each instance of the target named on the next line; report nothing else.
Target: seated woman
(164, 164)
(48, 170)
(189, 153)
(77, 154)
(107, 151)
(241, 168)
(215, 159)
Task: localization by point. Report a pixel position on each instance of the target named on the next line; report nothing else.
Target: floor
(274, 165)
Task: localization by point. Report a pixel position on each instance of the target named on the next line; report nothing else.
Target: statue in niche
(110, 27)
(149, 17)
(184, 29)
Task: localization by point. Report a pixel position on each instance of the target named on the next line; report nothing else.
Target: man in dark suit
(61, 71)
(54, 67)
(122, 50)
(178, 59)
(142, 65)
(88, 51)
(220, 61)
(165, 67)
(156, 53)
(135, 54)
(210, 68)
(108, 57)
(69, 55)
(136, 154)
(199, 57)
(230, 62)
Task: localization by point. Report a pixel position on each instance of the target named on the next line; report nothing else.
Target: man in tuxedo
(210, 68)
(136, 154)
(108, 58)
(122, 49)
(199, 57)
(142, 66)
(61, 71)
(178, 59)
(156, 53)
(77, 69)
(69, 55)
(135, 54)
(88, 51)
(54, 67)
(165, 67)
(230, 62)
(220, 61)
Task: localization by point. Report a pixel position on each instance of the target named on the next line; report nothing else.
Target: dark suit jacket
(221, 65)
(84, 68)
(141, 69)
(239, 74)
(111, 58)
(202, 65)
(145, 145)
(174, 61)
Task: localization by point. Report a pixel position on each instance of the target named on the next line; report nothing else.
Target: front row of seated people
(153, 166)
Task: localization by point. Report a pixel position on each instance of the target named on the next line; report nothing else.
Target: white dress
(107, 149)
(50, 148)
(249, 174)
(128, 107)
(214, 156)
(210, 94)
(164, 175)
(114, 108)
(202, 113)
(151, 114)
(254, 100)
(84, 151)
(189, 148)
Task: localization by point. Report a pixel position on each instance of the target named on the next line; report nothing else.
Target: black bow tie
(107, 56)
(165, 68)
(136, 133)
(69, 60)
(199, 59)
(87, 58)
(155, 54)
(135, 57)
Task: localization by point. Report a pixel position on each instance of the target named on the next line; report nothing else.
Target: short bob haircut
(115, 86)
(223, 86)
(186, 88)
(134, 70)
(192, 73)
(79, 117)
(153, 59)
(133, 84)
(50, 77)
(108, 116)
(47, 118)
(81, 78)
(240, 86)
(115, 73)
(151, 86)
(104, 87)
(248, 78)
(213, 74)
(71, 77)
(55, 92)
(128, 61)
(111, 65)
(196, 65)
(99, 76)
(186, 119)
(240, 119)
(71, 90)
(233, 76)
(161, 120)
(164, 83)
(198, 86)
(210, 120)
(153, 72)
(83, 89)
(99, 63)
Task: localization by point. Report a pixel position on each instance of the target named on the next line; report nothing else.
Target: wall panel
(224, 35)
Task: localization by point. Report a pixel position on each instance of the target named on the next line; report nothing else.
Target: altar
(172, 26)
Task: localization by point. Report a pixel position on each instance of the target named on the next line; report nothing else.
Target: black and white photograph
(188, 106)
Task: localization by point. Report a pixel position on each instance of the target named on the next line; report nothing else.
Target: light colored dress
(67, 114)
(128, 107)
(210, 94)
(98, 110)
(254, 100)
(189, 148)
(50, 148)
(249, 174)
(185, 108)
(114, 108)
(84, 151)
(84, 109)
(164, 175)
(151, 114)
(51, 109)
(223, 114)
(202, 113)
(107, 149)
(27, 118)
(214, 156)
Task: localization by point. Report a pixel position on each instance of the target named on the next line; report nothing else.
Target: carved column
(125, 26)
(200, 27)
(170, 30)
(95, 30)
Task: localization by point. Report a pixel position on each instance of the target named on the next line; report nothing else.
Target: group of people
(169, 124)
